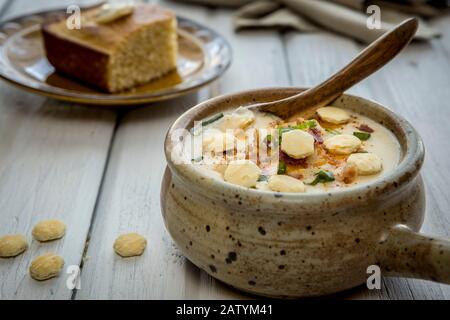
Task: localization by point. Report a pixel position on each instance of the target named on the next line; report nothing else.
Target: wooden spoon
(375, 56)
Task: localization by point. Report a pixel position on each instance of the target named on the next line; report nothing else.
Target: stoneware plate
(203, 56)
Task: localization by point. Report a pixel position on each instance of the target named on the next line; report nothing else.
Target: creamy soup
(334, 149)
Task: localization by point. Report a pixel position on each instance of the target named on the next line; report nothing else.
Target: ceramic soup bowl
(298, 245)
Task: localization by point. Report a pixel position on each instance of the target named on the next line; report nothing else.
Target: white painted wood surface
(88, 165)
(52, 158)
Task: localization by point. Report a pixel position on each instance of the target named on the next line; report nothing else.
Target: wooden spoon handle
(375, 56)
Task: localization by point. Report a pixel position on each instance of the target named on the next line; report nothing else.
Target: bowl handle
(406, 253)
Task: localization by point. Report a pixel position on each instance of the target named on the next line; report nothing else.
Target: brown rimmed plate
(203, 56)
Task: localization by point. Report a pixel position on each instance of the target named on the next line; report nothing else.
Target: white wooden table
(100, 171)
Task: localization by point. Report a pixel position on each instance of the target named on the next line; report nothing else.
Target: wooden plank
(130, 199)
(52, 158)
(413, 85)
(443, 23)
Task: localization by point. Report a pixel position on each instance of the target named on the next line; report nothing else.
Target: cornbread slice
(118, 55)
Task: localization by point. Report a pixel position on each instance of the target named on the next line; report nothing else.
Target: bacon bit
(291, 161)
(364, 127)
(295, 175)
(315, 132)
(278, 122)
(332, 159)
(349, 174)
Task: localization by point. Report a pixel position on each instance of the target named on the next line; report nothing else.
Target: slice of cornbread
(117, 55)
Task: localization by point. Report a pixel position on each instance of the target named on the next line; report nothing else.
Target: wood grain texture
(52, 157)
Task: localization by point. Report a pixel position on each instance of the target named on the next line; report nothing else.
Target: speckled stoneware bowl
(298, 245)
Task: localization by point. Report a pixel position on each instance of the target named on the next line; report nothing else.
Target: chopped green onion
(281, 167)
(322, 177)
(268, 138)
(305, 125)
(363, 136)
(332, 131)
(283, 130)
(263, 178)
(212, 119)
